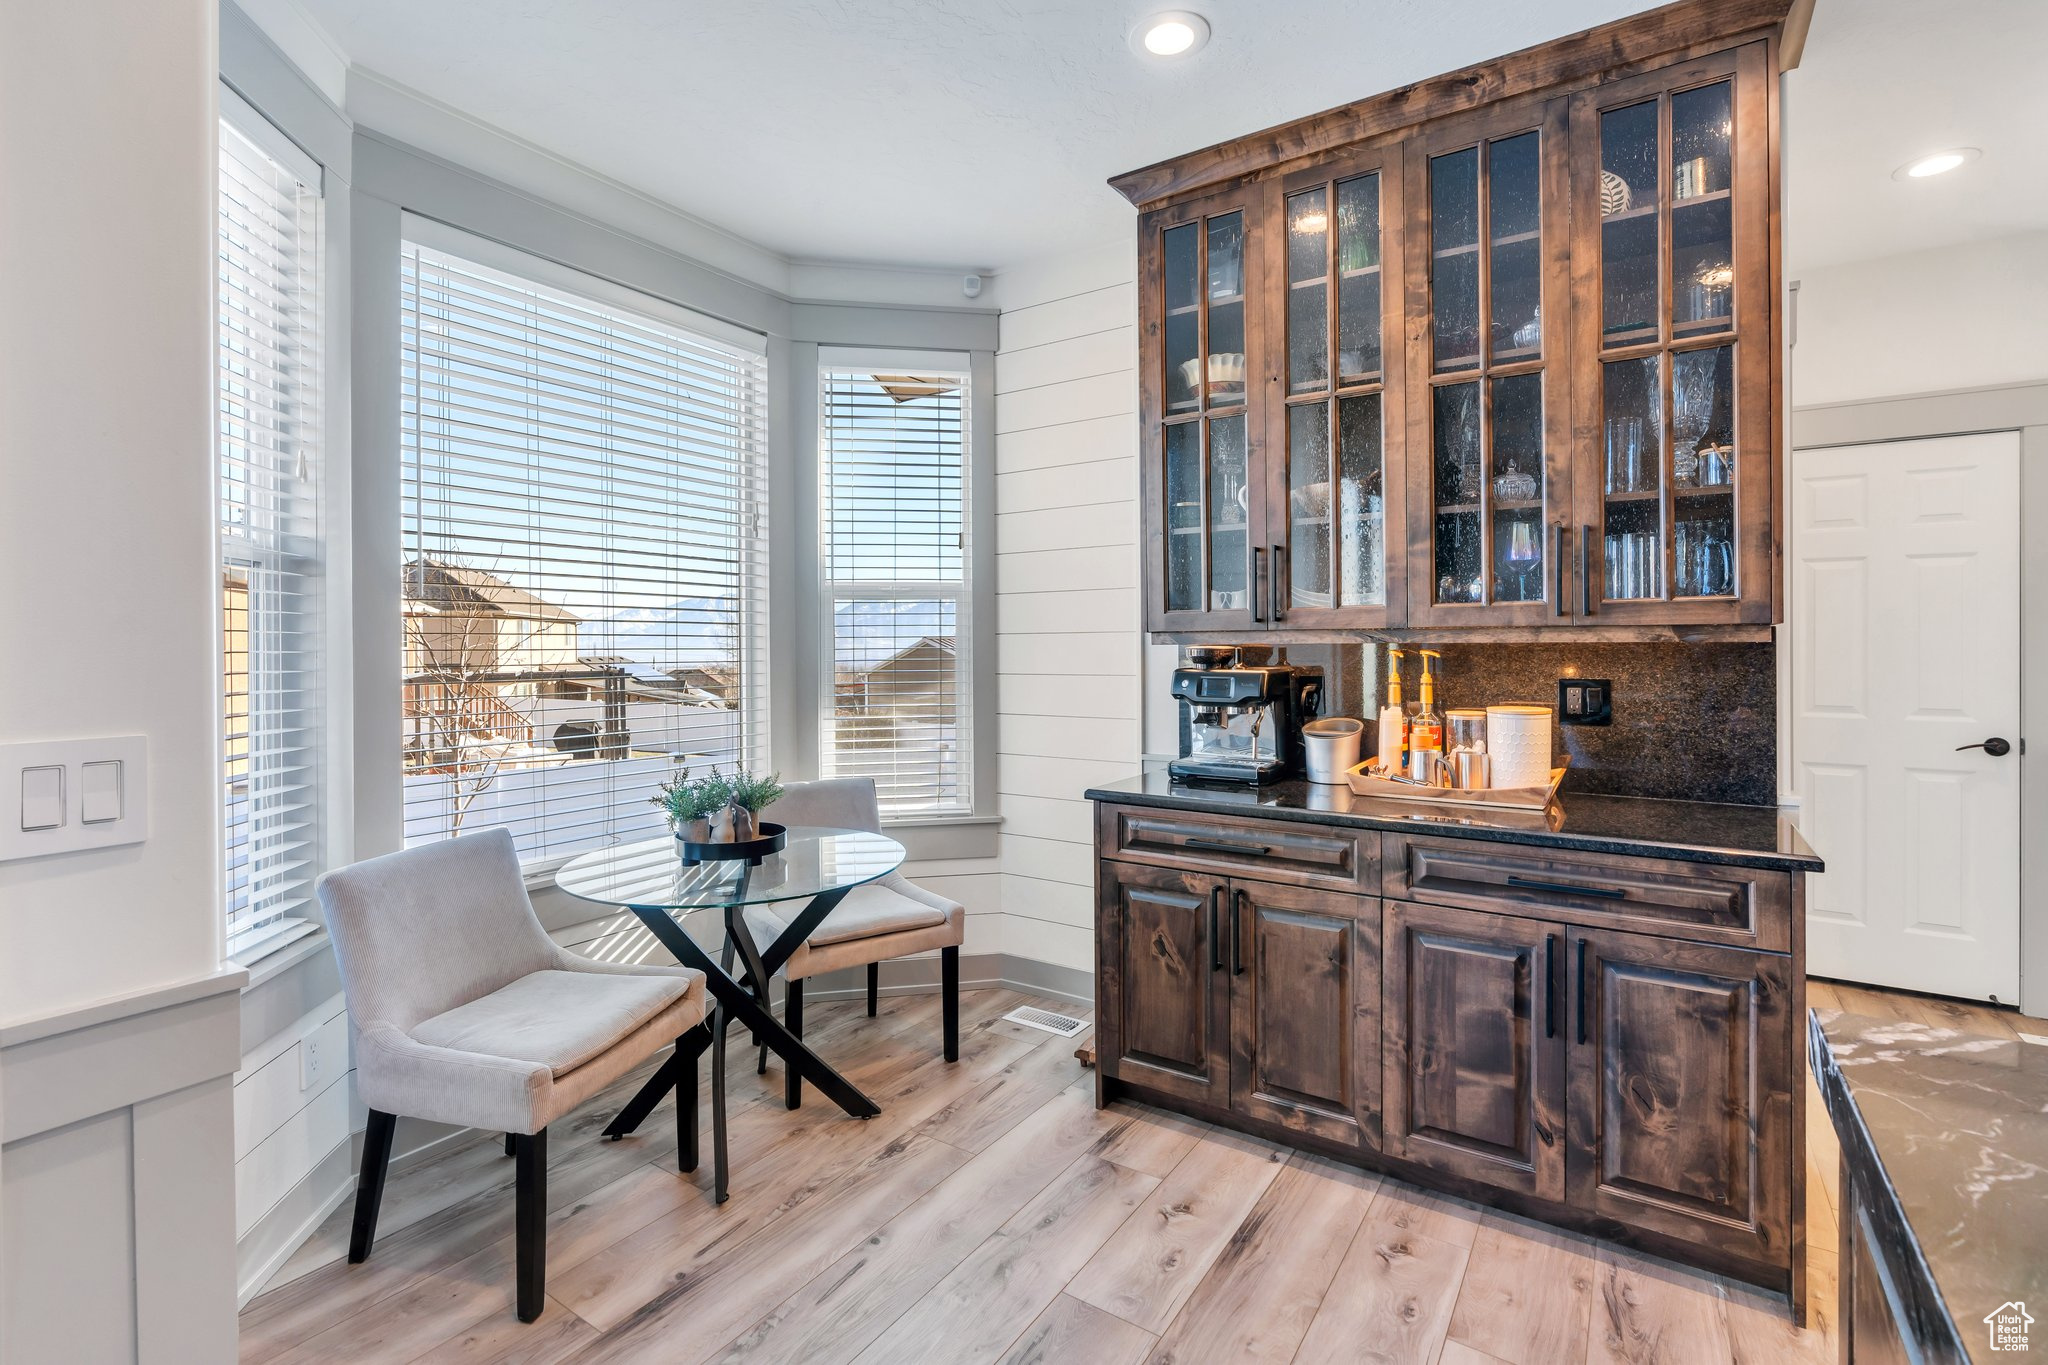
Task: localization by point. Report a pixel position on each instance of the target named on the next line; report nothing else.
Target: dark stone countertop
(1949, 1131)
(1691, 831)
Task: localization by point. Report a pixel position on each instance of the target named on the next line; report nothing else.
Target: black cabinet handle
(1585, 577)
(1559, 535)
(1237, 936)
(1582, 992)
(1225, 846)
(1612, 893)
(1550, 985)
(1258, 580)
(1215, 929)
(1279, 582)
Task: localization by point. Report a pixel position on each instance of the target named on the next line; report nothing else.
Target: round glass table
(650, 879)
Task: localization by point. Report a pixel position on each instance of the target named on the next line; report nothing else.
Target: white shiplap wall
(1068, 642)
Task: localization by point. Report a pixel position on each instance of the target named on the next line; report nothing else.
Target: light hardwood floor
(991, 1213)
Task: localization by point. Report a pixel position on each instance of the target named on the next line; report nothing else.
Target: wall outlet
(314, 1063)
(1585, 701)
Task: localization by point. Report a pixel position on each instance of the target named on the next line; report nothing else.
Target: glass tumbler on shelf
(1524, 557)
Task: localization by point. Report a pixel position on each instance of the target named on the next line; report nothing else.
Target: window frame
(301, 554)
(967, 595)
(594, 291)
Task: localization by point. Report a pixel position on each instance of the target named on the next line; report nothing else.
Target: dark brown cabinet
(1681, 1090)
(1305, 1010)
(1165, 988)
(1475, 1057)
(1503, 363)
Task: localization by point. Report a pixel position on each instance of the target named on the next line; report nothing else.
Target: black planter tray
(770, 840)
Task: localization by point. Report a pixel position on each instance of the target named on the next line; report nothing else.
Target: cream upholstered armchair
(466, 1012)
(887, 918)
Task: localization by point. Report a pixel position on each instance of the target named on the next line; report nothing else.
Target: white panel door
(1906, 648)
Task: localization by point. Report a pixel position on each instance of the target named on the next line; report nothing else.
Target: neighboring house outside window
(583, 529)
(269, 459)
(893, 541)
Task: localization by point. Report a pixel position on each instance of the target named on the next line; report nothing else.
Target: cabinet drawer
(1705, 901)
(1270, 850)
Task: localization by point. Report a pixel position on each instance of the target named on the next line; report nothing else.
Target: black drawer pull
(1582, 992)
(1215, 929)
(1550, 985)
(1567, 888)
(1225, 846)
(1237, 936)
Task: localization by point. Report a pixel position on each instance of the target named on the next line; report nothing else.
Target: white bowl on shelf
(1225, 367)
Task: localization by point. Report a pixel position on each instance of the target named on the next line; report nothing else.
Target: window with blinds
(268, 342)
(585, 555)
(893, 498)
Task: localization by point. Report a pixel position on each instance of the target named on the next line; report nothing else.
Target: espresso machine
(1240, 723)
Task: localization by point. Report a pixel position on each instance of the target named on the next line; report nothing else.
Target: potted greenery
(690, 804)
(746, 796)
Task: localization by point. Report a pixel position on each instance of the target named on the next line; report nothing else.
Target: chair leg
(949, 986)
(511, 1150)
(793, 1017)
(686, 1110)
(874, 986)
(718, 1163)
(370, 1184)
(531, 1219)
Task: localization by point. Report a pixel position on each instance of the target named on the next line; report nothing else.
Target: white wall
(1957, 317)
(1067, 583)
(107, 593)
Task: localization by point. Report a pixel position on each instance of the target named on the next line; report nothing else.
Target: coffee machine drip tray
(1248, 771)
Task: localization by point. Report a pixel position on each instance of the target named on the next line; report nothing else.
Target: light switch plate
(110, 777)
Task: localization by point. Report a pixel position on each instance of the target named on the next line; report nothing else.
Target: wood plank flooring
(991, 1213)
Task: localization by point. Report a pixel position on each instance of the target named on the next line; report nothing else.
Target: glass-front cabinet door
(1336, 519)
(1206, 507)
(1489, 272)
(1674, 330)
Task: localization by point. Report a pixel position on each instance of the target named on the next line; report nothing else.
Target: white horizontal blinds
(269, 458)
(894, 498)
(584, 539)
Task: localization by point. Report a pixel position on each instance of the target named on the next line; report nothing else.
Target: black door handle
(1550, 985)
(1215, 929)
(1279, 582)
(1611, 893)
(1559, 534)
(1996, 747)
(1237, 936)
(1195, 841)
(1585, 578)
(1258, 580)
(1582, 992)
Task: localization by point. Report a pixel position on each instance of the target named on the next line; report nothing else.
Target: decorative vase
(697, 831)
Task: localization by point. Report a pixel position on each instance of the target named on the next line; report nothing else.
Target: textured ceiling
(1886, 81)
(962, 133)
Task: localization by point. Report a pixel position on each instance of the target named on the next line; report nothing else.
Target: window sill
(265, 966)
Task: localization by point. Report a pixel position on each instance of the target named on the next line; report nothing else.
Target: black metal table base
(746, 1005)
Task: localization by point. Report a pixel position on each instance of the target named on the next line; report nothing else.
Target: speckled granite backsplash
(1695, 722)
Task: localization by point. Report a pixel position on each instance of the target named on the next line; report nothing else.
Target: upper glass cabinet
(1677, 480)
(1209, 499)
(1493, 426)
(1331, 494)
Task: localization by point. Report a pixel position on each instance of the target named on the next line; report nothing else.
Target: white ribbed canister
(1518, 739)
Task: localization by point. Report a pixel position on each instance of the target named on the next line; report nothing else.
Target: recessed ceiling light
(1170, 33)
(1935, 163)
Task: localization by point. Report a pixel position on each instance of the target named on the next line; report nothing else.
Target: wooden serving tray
(1363, 782)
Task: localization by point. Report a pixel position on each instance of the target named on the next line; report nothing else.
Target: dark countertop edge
(1564, 839)
(1860, 1150)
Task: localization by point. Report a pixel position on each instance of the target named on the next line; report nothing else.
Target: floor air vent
(1061, 1024)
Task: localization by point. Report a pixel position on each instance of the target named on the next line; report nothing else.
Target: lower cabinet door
(1165, 985)
(1681, 1090)
(1305, 1010)
(1475, 1080)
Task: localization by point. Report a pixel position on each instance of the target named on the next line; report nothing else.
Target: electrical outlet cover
(1585, 701)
